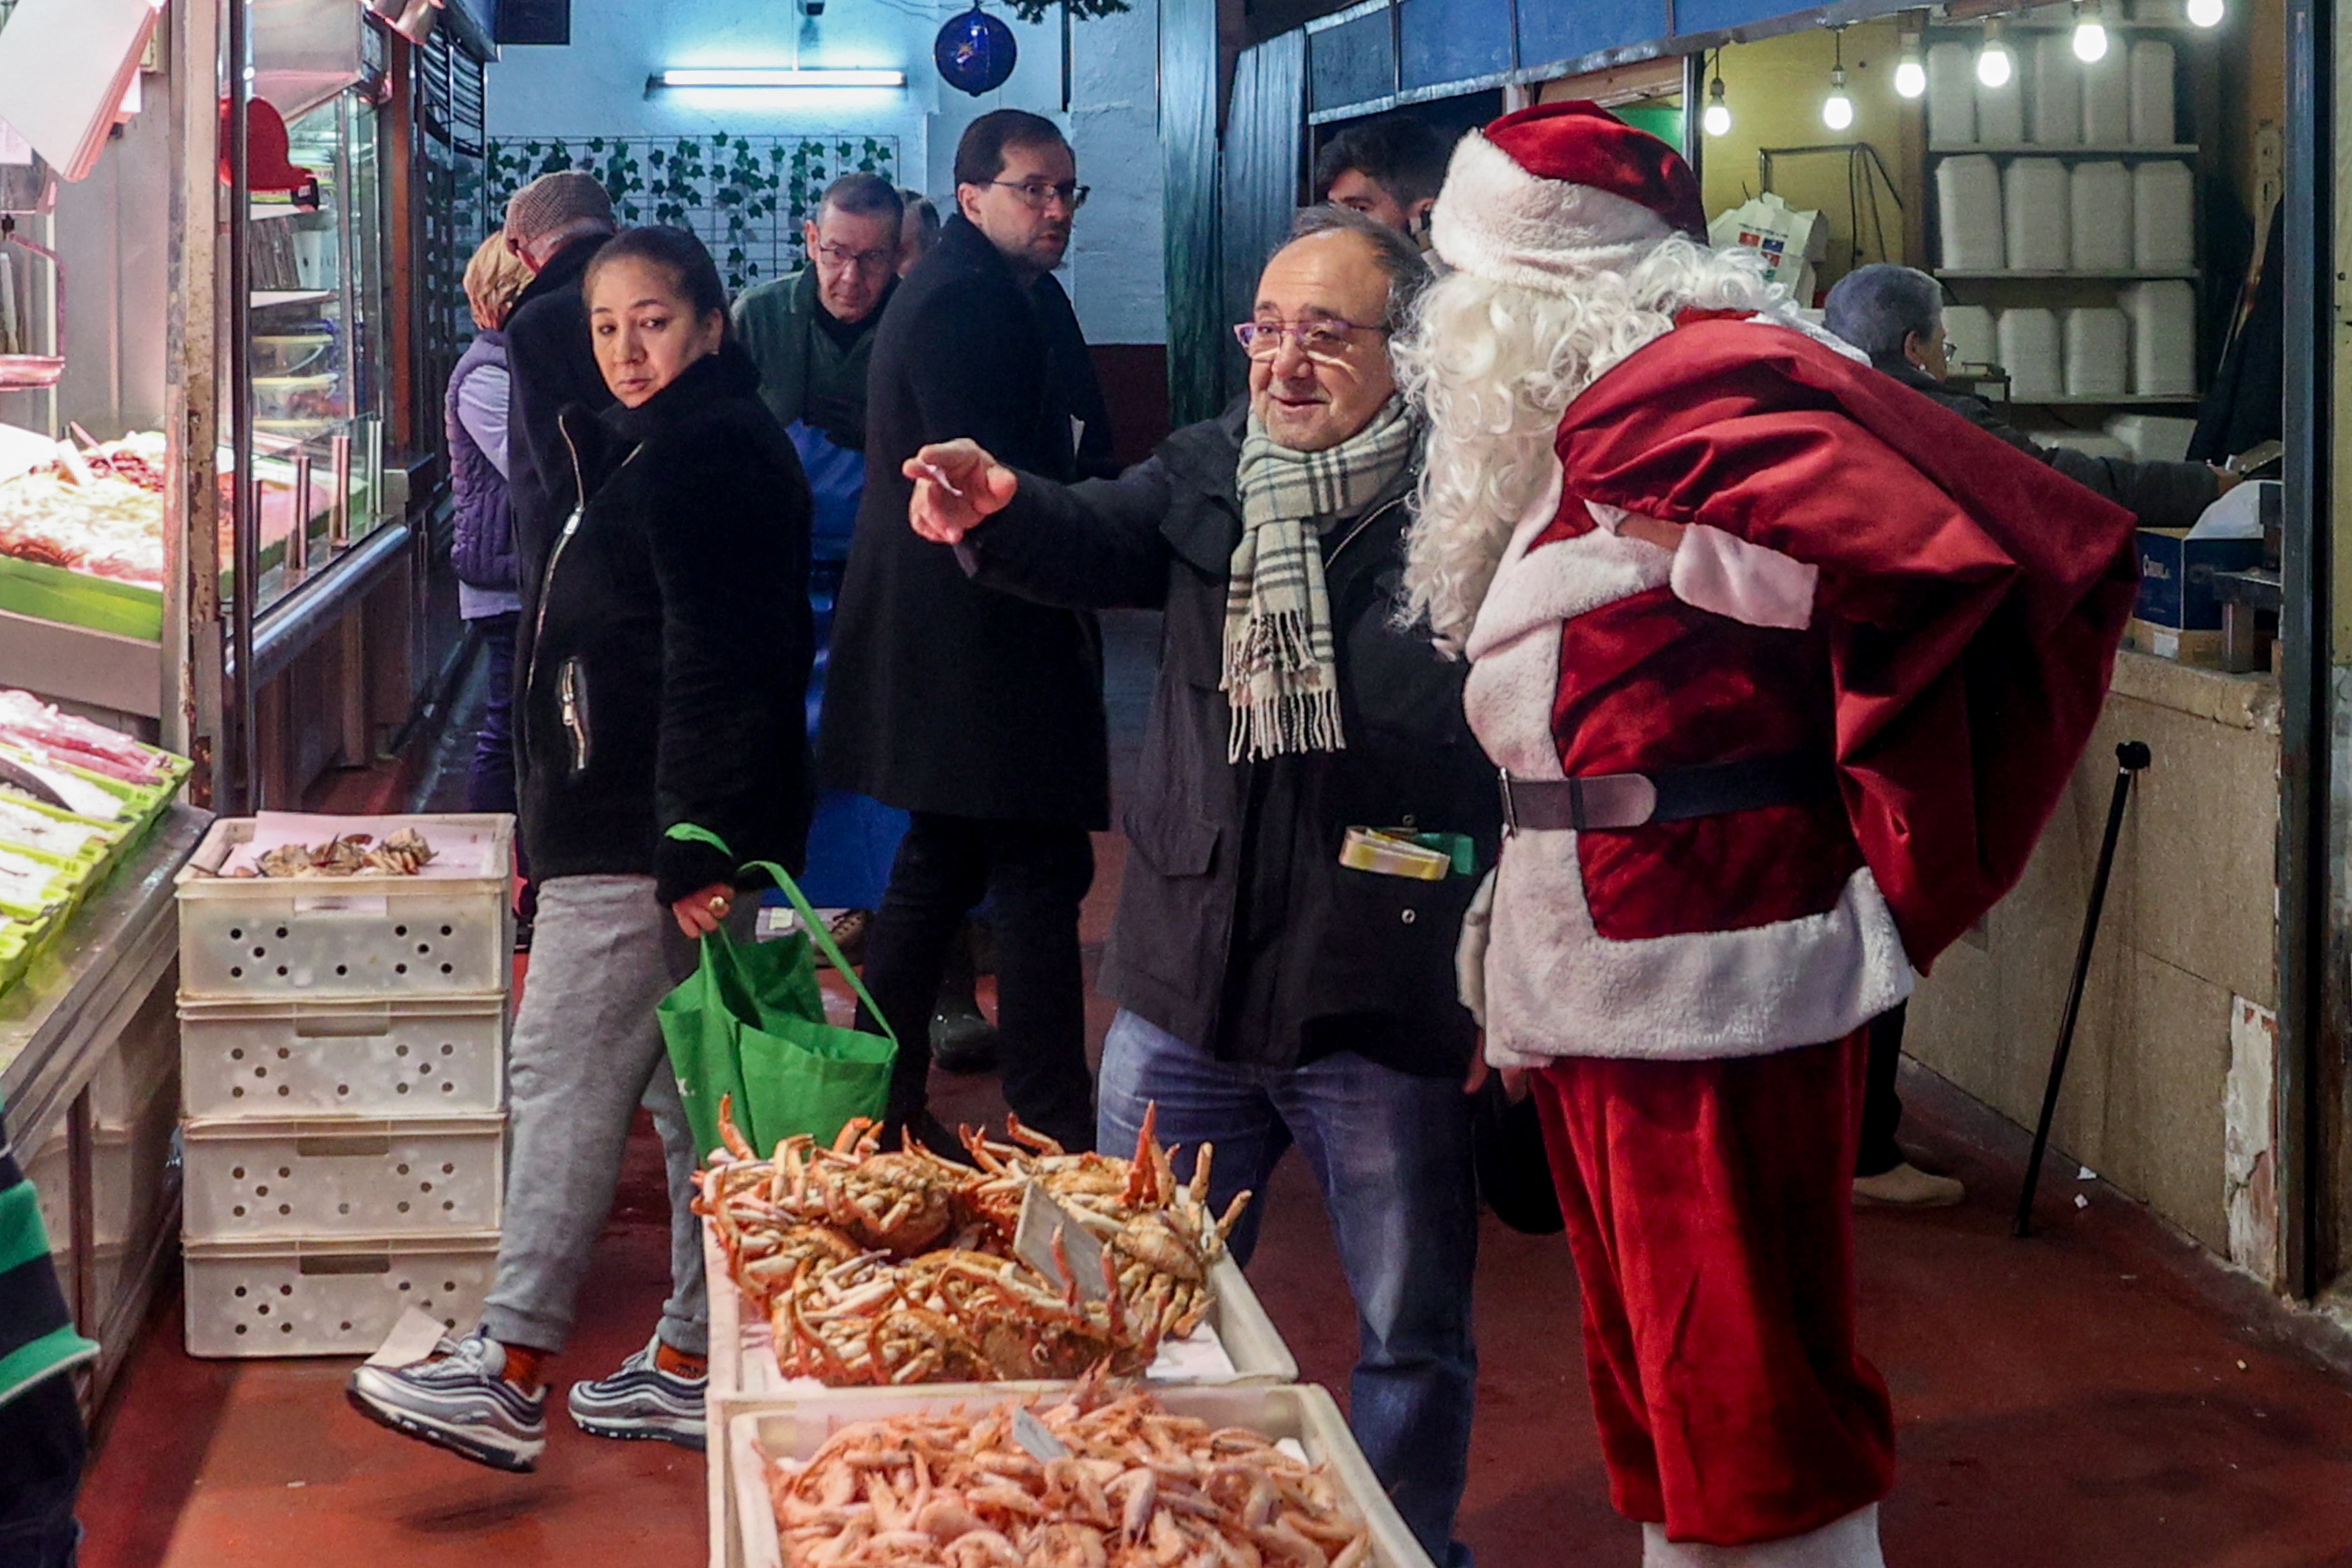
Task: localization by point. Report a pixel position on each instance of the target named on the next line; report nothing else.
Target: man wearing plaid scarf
(1282, 975)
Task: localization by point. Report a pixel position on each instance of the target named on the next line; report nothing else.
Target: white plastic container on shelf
(1971, 335)
(2056, 115)
(2033, 204)
(2164, 216)
(2098, 351)
(2164, 336)
(328, 1298)
(2152, 120)
(2152, 437)
(2001, 113)
(1968, 207)
(2028, 351)
(2106, 98)
(434, 1056)
(292, 1178)
(2099, 200)
(1951, 94)
(391, 937)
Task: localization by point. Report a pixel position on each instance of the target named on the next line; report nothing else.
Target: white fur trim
(1514, 648)
(1848, 1542)
(1494, 219)
(1725, 575)
(1556, 987)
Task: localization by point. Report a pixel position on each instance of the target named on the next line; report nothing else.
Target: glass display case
(318, 354)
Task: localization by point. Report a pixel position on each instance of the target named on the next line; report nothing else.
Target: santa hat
(1557, 193)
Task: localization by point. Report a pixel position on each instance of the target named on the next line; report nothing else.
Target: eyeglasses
(1326, 338)
(864, 260)
(1037, 195)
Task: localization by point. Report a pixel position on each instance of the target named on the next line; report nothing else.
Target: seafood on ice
(898, 1266)
(401, 853)
(1086, 1479)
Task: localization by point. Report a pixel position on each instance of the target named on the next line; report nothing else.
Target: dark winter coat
(672, 652)
(2161, 495)
(1238, 928)
(554, 368)
(484, 549)
(941, 696)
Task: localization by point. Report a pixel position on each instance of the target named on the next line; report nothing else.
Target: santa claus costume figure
(1784, 666)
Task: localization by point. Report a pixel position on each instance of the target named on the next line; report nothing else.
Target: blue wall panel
(1711, 15)
(1453, 40)
(1354, 62)
(1564, 29)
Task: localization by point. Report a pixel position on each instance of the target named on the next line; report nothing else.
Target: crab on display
(896, 1267)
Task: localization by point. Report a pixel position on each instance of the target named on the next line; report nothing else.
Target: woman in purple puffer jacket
(488, 594)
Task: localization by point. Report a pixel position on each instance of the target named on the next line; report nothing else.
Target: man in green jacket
(41, 1441)
(811, 335)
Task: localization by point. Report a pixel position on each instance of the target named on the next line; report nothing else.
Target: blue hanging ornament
(975, 52)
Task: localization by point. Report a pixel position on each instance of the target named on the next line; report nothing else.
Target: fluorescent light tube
(779, 77)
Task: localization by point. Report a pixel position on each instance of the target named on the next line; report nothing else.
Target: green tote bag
(749, 1024)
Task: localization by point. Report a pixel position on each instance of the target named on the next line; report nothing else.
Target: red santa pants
(1709, 1207)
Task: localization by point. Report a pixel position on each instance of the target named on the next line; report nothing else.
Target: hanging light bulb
(2206, 13)
(2090, 32)
(1837, 109)
(1910, 73)
(1717, 121)
(1995, 63)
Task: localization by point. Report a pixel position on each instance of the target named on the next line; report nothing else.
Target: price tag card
(1033, 1242)
(1030, 1434)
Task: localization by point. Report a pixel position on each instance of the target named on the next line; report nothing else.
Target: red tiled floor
(2100, 1396)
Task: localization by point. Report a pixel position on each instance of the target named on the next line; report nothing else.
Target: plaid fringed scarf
(1280, 671)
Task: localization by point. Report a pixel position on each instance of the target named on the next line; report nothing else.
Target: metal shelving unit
(2012, 287)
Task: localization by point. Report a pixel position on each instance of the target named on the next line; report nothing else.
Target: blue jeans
(490, 782)
(1391, 1152)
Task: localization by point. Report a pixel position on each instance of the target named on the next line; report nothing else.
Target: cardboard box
(2202, 648)
(2176, 576)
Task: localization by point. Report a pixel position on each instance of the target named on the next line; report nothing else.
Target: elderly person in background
(919, 231)
(1276, 984)
(483, 551)
(1895, 315)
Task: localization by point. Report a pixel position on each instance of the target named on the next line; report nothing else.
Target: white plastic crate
(294, 1178)
(251, 938)
(792, 1430)
(429, 1055)
(328, 1298)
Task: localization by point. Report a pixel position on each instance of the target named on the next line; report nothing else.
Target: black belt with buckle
(1604, 802)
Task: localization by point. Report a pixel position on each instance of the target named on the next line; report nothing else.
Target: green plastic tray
(78, 599)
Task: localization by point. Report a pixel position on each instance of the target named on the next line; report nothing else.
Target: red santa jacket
(1938, 614)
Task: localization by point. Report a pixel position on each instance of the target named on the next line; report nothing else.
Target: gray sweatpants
(586, 1050)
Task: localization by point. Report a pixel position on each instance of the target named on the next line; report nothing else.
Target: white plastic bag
(1786, 235)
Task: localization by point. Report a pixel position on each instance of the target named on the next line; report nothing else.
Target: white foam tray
(251, 938)
(744, 1373)
(789, 1429)
(297, 1178)
(427, 1056)
(328, 1297)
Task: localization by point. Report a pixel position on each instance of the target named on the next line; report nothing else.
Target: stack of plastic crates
(343, 1064)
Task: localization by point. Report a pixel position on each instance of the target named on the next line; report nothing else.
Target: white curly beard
(1493, 365)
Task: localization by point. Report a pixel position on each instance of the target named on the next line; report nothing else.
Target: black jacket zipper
(547, 582)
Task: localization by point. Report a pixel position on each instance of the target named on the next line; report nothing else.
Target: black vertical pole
(2131, 758)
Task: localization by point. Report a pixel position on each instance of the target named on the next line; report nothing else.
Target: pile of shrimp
(1085, 1480)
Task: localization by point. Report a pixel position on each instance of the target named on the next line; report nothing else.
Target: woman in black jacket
(668, 668)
